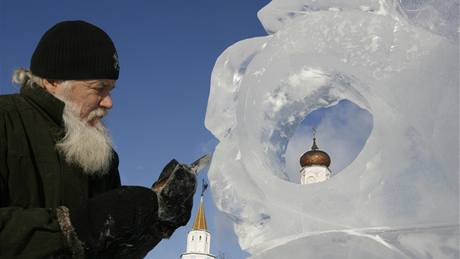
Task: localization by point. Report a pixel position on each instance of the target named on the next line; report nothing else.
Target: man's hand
(129, 221)
(175, 188)
(164, 176)
(118, 223)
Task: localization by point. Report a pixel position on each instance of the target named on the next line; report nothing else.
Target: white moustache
(97, 113)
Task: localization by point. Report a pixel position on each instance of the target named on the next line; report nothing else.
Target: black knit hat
(75, 50)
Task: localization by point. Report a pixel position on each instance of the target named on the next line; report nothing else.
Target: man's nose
(106, 102)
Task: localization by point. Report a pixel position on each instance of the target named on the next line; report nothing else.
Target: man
(60, 191)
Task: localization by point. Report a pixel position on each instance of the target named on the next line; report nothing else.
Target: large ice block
(399, 198)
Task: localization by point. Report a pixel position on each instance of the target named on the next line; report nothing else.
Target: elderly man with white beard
(60, 190)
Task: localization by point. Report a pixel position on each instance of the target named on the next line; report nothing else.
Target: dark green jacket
(34, 177)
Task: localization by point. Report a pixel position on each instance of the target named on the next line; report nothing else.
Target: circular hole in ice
(342, 131)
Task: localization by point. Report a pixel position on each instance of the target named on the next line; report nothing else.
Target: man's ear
(49, 86)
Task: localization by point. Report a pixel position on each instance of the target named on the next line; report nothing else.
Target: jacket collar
(50, 105)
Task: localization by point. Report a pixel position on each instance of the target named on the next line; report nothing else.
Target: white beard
(89, 147)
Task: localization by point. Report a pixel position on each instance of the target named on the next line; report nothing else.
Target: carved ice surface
(398, 198)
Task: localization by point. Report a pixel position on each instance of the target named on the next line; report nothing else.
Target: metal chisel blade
(201, 163)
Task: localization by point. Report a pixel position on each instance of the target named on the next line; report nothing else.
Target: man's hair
(25, 78)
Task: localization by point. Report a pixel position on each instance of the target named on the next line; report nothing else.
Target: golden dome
(315, 157)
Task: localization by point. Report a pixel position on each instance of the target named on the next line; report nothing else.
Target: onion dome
(315, 156)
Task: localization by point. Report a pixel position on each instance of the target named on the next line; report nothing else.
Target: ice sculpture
(396, 59)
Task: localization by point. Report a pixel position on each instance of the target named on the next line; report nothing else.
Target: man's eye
(103, 90)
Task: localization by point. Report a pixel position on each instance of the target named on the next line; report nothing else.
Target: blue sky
(167, 50)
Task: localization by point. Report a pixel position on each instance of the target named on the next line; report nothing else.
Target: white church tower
(315, 165)
(199, 239)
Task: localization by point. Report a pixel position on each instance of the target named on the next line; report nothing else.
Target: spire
(200, 219)
(314, 146)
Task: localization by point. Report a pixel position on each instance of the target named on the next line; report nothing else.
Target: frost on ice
(396, 61)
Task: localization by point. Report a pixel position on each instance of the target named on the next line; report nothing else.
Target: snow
(395, 60)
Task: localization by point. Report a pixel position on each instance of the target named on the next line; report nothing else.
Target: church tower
(199, 239)
(315, 165)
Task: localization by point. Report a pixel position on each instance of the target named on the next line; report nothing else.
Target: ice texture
(398, 61)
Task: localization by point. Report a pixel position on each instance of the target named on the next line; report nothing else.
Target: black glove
(175, 188)
(121, 223)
